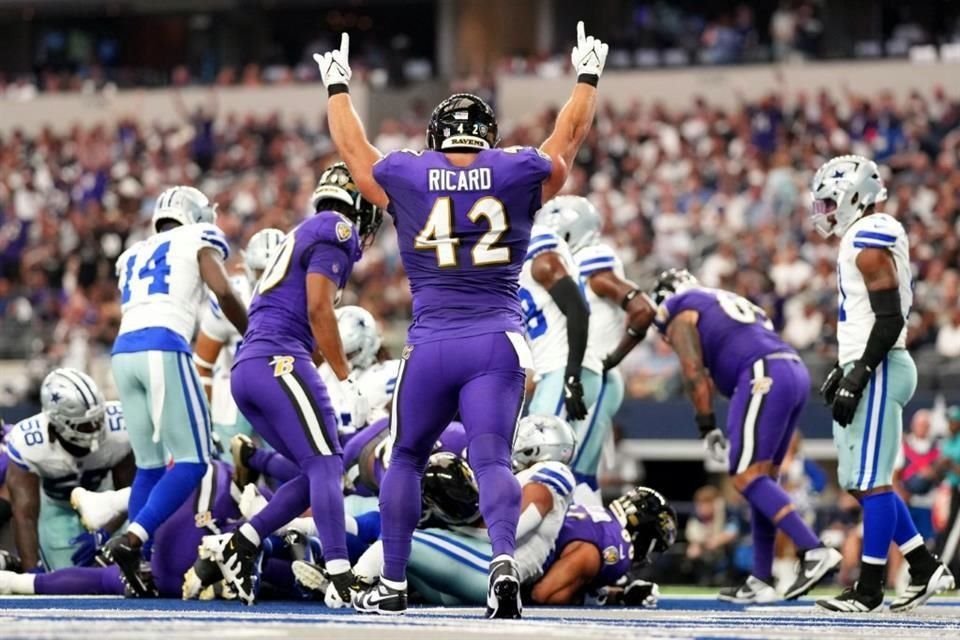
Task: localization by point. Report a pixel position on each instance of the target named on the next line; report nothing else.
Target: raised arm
(576, 116)
(346, 129)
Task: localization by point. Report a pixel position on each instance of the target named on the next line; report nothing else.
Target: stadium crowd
(724, 192)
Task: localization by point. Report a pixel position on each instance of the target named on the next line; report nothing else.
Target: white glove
(355, 407)
(334, 65)
(589, 55)
(717, 445)
(642, 593)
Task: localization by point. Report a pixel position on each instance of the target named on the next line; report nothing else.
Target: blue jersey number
(536, 322)
(156, 269)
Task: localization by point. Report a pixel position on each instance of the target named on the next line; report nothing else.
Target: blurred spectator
(710, 536)
(804, 323)
(948, 545)
(919, 475)
(948, 336)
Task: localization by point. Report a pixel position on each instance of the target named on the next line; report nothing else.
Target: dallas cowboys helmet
(574, 218)
(449, 489)
(462, 122)
(257, 253)
(337, 191)
(360, 336)
(541, 439)
(184, 205)
(842, 189)
(650, 521)
(672, 282)
(74, 406)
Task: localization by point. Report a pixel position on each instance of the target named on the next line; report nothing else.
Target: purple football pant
(764, 410)
(480, 377)
(285, 401)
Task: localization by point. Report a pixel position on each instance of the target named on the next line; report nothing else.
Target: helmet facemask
(842, 191)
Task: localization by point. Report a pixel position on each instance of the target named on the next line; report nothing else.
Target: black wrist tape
(334, 89)
(589, 78)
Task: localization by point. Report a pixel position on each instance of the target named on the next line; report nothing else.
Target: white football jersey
(546, 326)
(31, 446)
(606, 316)
(160, 280)
(855, 316)
(215, 324)
(534, 548)
(377, 384)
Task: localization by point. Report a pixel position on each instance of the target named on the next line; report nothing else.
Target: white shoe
(816, 564)
(96, 510)
(753, 591)
(17, 584)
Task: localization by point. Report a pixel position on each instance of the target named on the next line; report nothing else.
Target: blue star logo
(55, 396)
(837, 174)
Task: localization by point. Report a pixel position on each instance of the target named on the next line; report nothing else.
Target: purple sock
(80, 581)
(767, 497)
(489, 456)
(764, 536)
(288, 502)
(326, 499)
(273, 465)
(399, 510)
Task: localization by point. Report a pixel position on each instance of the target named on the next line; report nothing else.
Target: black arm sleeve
(886, 328)
(568, 297)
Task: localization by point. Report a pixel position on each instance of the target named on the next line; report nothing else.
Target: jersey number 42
(437, 233)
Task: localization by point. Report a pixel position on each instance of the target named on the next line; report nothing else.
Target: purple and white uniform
(764, 378)
(463, 235)
(277, 387)
(597, 526)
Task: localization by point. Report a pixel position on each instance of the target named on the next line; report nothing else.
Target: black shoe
(138, 583)
(379, 598)
(923, 586)
(240, 566)
(814, 566)
(853, 600)
(342, 589)
(503, 592)
(241, 449)
(752, 591)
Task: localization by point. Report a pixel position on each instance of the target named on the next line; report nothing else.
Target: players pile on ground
(419, 479)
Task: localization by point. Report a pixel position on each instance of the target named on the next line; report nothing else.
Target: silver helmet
(75, 407)
(842, 189)
(575, 219)
(360, 336)
(543, 438)
(259, 248)
(185, 205)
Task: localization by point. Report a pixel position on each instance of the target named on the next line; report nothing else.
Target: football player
(873, 379)
(727, 342)
(217, 342)
(77, 440)
(276, 384)
(616, 305)
(163, 283)
(463, 211)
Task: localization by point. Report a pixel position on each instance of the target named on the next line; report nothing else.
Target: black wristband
(589, 78)
(633, 333)
(633, 293)
(340, 87)
(706, 423)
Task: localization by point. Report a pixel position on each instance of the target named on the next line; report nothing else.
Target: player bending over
(463, 211)
(873, 379)
(78, 440)
(163, 282)
(276, 384)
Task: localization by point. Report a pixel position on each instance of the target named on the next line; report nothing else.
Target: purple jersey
(734, 333)
(327, 244)
(463, 235)
(599, 527)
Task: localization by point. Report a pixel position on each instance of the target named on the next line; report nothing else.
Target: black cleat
(379, 598)
(853, 600)
(923, 586)
(240, 565)
(137, 581)
(814, 566)
(503, 592)
(241, 449)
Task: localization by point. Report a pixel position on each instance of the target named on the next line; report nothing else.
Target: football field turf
(678, 616)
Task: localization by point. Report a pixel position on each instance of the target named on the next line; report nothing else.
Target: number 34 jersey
(161, 291)
(463, 235)
(734, 333)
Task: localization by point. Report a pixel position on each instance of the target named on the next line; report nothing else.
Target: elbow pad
(887, 327)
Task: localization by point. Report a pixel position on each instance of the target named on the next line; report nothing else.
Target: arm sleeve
(568, 297)
(212, 237)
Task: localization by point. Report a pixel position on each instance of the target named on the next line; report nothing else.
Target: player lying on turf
(217, 341)
(77, 440)
(724, 340)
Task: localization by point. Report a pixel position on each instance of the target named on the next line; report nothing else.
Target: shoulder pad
(542, 238)
(878, 230)
(555, 475)
(597, 257)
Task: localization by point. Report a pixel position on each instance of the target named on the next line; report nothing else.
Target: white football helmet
(575, 219)
(543, 438)
(842, 189)
(185, 205)
(75, 407)
(259, 248)
(360, 336)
